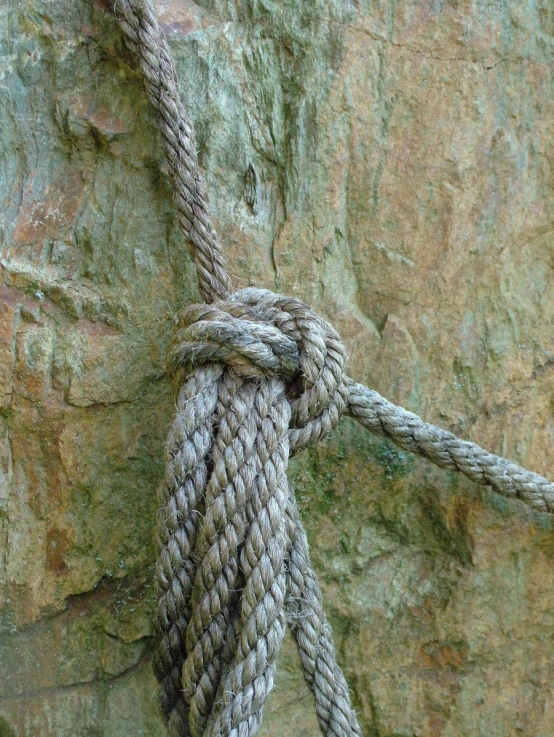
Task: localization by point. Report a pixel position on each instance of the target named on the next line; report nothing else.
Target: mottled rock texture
(391, 163)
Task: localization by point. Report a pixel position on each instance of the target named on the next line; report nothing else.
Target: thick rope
(251, 536)
(262, 377)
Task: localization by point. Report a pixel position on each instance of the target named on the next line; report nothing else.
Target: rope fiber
(262, 376)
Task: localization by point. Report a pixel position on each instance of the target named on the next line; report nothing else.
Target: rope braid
(262, 376)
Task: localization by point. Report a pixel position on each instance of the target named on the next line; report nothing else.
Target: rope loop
(261, 376)
(256, 332)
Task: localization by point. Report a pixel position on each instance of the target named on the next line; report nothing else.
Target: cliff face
(391, 164)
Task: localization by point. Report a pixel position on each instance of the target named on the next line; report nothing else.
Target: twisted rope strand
(217, 550)
(263, 378)
(313, 636)
(262, 616)
(180, 496)
(444, 449)
(139, 22)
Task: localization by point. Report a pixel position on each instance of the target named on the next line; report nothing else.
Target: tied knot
(256, 332)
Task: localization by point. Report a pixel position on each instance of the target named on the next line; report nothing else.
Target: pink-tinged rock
(48, 212)
(9, 313)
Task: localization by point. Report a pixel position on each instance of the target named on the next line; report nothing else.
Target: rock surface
(391, 164)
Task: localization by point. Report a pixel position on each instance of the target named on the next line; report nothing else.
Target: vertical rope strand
(314, 637)
(139, 21)
(181, 496)
(217, 552)
(261, 627)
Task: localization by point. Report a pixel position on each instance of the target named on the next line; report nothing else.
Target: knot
(256, 332)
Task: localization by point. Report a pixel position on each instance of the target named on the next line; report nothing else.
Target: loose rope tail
(262, 377)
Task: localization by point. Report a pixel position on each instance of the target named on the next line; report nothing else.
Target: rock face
(391, 164)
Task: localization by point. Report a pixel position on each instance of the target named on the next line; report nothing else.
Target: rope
(145, 39)
(243, 531)
(444, 449)
(261, 376)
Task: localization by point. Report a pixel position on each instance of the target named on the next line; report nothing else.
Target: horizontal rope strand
(444, 449)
